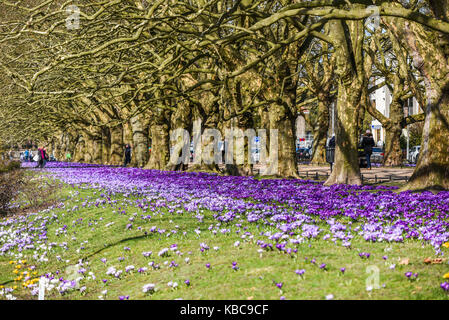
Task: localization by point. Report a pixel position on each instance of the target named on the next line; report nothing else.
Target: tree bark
(79, 150)
(116, 150)
(349, 69)
(105, 145)
(281, 120)
(160, 140)
(431, 58)
(393, 152)
(432, 169)
(320, 134)
(140, 141)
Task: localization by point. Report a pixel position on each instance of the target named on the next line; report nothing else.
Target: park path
(376, 174)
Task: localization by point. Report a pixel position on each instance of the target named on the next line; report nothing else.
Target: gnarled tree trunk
(140, 141)
(349, 69)
(160, 140)
(116, 149)
(320, 134)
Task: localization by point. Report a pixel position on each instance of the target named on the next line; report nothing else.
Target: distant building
(382, 98)
(304, 134)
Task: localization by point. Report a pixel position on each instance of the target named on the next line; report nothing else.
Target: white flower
(111, 270)
(163, 252)
(149, 288)
(330, 297)
(129, 268)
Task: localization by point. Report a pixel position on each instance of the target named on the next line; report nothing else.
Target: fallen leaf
(433, 261)
(405, 261)
(250, 298)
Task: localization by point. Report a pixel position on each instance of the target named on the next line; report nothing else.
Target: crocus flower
(149, 288)
(300, 272)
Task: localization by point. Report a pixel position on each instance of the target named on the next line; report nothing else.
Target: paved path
(375, 174)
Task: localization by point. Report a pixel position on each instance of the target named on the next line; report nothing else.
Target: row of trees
(88, 76)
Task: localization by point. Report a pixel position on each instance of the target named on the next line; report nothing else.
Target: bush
(11, 180)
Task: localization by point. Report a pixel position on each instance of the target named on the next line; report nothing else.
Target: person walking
(127, 155)
(40, 158)
(367, 145)
(45, 157)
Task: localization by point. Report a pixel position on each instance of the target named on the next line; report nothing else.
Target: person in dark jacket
(367, 145)
(332, 142)
(127, 155)
(330, 151)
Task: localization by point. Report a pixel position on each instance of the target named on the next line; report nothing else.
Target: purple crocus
(300, 272)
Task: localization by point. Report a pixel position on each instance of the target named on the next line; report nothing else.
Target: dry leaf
(405, 261)
(433, 261)
(250, 298)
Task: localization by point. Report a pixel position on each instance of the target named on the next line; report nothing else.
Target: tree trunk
(105, 145)
(88, 148)
(430, 56)
(97, 152)
(393, 151)
(116, 151)
(346, 168)
(281, 120)
(181, 119)
(140, 141)
(320, 135)
(351, 80)
(160, 151)
(79, 150)
(241, 124)
(432, 169)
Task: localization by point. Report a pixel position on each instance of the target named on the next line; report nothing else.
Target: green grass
(257, 271)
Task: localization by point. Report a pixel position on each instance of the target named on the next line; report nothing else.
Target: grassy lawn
(103, 231)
